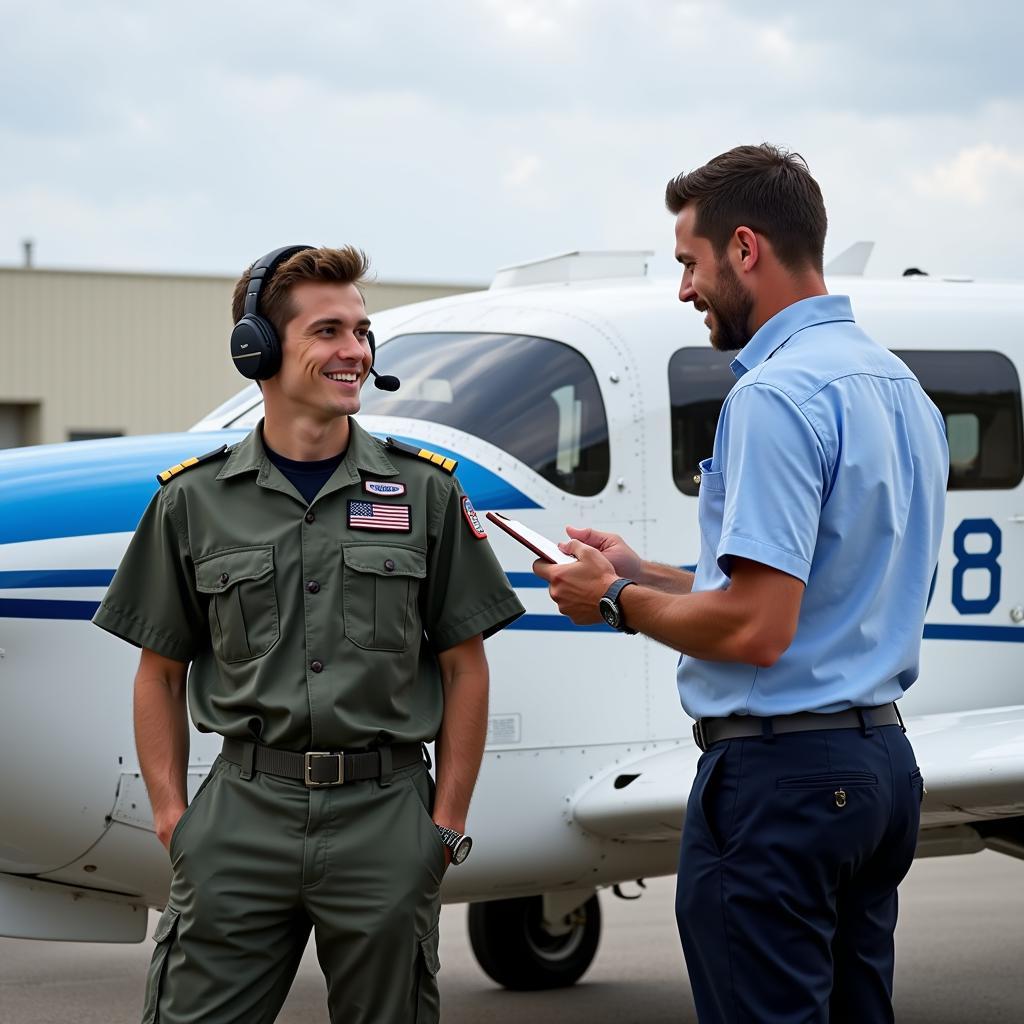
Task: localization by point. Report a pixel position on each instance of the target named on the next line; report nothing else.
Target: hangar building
(87, 354)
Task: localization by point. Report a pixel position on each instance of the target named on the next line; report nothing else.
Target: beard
(730, 308)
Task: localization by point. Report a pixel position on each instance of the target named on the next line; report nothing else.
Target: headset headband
(261, 272)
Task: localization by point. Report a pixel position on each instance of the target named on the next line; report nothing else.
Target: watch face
(461, 852)
(609, 612)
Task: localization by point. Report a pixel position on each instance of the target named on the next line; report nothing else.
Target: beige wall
(128, 353)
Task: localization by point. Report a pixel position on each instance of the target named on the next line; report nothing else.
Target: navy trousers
(792, 851)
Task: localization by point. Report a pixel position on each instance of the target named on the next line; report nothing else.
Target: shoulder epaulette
(170, 474)
(441, 461)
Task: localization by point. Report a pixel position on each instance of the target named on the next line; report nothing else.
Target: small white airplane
(575, 390)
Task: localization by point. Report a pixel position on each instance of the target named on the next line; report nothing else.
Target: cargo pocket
(166, 929)
(380, 593)
(428, 999)
(243, 601)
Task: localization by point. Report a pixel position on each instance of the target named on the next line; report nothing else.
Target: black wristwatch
(611, 610)
(459, 844)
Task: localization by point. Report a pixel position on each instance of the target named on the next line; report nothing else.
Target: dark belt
(710, 730)
(317, 767)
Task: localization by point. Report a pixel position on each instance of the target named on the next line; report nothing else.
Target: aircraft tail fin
(850, 262)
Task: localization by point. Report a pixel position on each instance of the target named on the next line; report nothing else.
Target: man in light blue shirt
(829, 465)
(820, 514)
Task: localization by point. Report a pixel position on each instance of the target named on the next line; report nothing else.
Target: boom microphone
(385, 381)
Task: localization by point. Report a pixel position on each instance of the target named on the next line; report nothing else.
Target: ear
(746, 247)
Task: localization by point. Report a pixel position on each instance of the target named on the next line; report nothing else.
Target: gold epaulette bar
(441, 461)
(170, 474)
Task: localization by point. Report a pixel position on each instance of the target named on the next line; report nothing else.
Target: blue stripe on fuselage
(97, 487)
(36, 578)
(41, 608)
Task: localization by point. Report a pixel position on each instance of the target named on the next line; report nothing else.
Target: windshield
(536, 399)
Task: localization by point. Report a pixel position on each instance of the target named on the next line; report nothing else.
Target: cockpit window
(536, 399)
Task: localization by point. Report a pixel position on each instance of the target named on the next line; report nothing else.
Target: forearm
(460, 742)
(713, 625)
(161, 737)
(665, 578)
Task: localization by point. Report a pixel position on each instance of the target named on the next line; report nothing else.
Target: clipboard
(536, 542)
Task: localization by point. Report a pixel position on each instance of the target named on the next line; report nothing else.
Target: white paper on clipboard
(536, 542)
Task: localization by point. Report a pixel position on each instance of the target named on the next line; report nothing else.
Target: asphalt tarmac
(959, 950)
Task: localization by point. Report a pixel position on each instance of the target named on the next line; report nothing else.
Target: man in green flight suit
(326, 595)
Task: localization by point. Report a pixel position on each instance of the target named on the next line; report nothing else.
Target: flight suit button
(224, 577)
(389, 565)
(310, 517)
(316, 666)
(313, 587)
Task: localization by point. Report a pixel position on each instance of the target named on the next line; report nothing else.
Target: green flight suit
(307, 628)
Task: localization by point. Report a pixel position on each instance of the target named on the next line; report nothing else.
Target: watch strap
(612, 595)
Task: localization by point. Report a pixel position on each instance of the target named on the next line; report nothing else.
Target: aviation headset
(255, 346)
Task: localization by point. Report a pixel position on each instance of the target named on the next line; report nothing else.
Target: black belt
(317, 767)
(710, 730)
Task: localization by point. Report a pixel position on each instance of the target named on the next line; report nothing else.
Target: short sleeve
(467, 592)
(775, 472)
(152, 601)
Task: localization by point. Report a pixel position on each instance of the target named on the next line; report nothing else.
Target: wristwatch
(611, 610)
(459, 844)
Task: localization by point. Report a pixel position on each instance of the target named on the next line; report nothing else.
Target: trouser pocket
(166, 929)
(428, 999)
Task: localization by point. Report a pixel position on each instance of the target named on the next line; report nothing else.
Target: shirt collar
(774, 333)
(364, 452)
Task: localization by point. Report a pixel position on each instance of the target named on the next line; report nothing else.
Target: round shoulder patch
(472, 519)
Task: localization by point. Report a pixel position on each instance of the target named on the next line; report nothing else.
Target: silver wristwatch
(459, 844)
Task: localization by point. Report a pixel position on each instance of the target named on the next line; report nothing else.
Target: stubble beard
(731, 308)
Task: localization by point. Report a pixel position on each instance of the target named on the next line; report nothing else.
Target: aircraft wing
(972, 763)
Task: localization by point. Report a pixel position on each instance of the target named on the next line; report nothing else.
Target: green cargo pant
(258, 862)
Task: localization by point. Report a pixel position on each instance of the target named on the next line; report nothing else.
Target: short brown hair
(768, 189)
(347, 265)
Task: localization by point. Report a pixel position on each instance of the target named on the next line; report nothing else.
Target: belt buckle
(309, 755)
(698, 735)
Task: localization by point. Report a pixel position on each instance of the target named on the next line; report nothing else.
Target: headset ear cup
(255, 348)
(373, 347)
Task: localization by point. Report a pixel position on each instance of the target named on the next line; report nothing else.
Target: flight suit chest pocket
(244, 621)
(380, 595)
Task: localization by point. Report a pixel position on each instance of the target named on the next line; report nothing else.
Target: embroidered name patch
(368, 515)
(472, 518)
(385, 488)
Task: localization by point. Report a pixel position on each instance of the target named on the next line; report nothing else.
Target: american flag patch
(369, 515)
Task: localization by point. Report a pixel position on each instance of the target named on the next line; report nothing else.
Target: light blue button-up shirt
(830, 465)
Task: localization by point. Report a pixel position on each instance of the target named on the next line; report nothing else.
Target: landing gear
(519, 946)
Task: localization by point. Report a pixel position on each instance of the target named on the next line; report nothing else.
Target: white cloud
(774, 43)
(523, 170)
(974, 175)
(458, 137)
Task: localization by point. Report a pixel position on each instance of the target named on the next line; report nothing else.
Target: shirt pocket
(380, 595)
(244, 620)
(710, 509)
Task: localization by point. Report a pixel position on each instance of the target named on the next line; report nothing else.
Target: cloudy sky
(453, 137)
